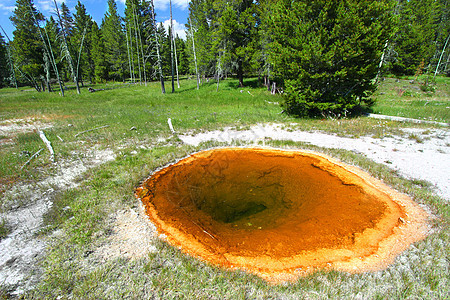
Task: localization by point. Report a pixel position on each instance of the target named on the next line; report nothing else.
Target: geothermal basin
(280, 214)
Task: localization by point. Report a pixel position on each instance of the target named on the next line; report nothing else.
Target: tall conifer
(114, 39)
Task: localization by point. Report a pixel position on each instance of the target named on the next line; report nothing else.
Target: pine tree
(10, 62)
(154, 29)
(114, 39)
(67, 20)
(182, 56)
(415, 41)
(69, 54)
(138, 37)
(83, 29)
(164, 42)
(27, 45)
(328, 53)
(202, 21)
(4, 70)
(98, 55)
(235, 33)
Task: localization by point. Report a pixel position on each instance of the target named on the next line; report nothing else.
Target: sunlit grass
(136, 115)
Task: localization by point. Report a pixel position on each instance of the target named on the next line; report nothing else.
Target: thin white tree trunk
(48, 48)
(66, 49)
(137, 43)
(174, 46)
(142, 55)
(381, 62)
(128, 52)
(171, 47)
(79, 51)
(195, 56)
(161, 77)
(440, 58)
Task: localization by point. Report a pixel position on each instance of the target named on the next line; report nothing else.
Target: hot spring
(280, 214)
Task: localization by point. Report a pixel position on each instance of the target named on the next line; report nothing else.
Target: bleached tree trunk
(440, 58)
(381, 62)
(219, 71)
(142, 55)
(128, 52)
(137, 43)
(171, 47)
(55, 66)
(161, 77)
(79, 52)
(11, 65)
(447, 62)
(174, 46)
(66, 50)
(47, 72)
(195, 56)
(49, 51)
(10, 60)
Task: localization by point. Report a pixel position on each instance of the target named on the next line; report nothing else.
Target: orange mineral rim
(280, 214)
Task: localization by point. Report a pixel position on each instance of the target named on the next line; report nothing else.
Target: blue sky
(97, 9)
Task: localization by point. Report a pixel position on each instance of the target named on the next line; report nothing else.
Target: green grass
(406, 99)
(79, 220)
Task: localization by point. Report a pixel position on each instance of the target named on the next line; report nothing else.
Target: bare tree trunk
(171, 47)
(161, 77)
(142, 55)
(128, 52)
(381, 62)
(66, 49)
(79, 52)
(195, 56)
(174, 46)
(137, 43)
(219, 71)
(47, 72)
(447, 62)
(440, 58)
(49, 50)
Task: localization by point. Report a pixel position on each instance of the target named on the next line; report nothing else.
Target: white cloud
(7, 8)
(46, 6)
(164, 4)
(179, 29)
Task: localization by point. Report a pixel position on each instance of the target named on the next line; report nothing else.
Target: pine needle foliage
(328, 53)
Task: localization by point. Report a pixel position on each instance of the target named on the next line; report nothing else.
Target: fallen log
(31, 158)
(48, 144)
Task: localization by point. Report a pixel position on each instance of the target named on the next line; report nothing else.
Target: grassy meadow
(137, 132)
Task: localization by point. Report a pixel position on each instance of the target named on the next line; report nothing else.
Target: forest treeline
(324, 56)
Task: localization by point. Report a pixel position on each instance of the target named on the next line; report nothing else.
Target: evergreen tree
(414, 43)
(4, 70)
(138, 20)
(67, 20)
(182, 55)
(82, 29)
(115, 43)
(235, 33)
(27, 44)
(328, 52)
(99, 56)
(443, 37)
(164, 42)
(202, 20)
